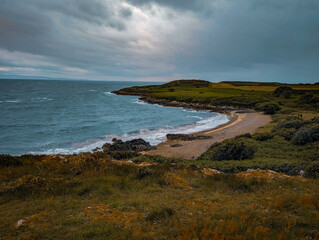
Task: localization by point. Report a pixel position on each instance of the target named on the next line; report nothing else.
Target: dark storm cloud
(265, 40)
(57, 29)
(90, 11)
(261, 36)
(190, 5)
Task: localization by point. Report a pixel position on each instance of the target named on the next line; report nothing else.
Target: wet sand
(239, 123)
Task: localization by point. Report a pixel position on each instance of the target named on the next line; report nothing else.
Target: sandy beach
(239, 122)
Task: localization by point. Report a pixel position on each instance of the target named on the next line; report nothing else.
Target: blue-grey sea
(66, 117)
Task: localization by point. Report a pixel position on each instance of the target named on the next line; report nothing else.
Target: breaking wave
(153, 136)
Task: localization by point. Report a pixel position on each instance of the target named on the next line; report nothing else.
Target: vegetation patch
(160, 214)
(234, 149)
(241, 188)
(312, 171)
(306, 134)
(263, 136)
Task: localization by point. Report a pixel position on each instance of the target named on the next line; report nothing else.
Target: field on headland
(261, 184)
(233, 94)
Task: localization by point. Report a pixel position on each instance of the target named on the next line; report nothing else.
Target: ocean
(66, 117)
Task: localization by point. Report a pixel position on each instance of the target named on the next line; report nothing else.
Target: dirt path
(239, 123)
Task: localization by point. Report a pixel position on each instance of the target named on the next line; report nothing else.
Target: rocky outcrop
(195, 106)
(185, 137)
(137, 145)
(172, 103)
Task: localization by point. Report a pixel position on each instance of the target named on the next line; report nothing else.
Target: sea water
(51, 117)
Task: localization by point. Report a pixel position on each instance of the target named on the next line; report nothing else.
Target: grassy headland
(233, 94)
(102, 195)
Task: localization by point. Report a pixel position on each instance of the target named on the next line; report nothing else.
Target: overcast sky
(215, 40)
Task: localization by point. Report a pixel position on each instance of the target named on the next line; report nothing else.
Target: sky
(149, 40)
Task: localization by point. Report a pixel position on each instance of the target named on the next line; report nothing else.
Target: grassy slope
(89, 196)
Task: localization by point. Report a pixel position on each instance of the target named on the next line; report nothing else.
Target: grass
(236, 94)
(173, 201)
(103, 196)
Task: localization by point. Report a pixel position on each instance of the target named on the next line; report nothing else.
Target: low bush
(282, 90)
(159, 214)
(267, 107)
(286, 111)
(245, 135)
(286, 133)
(291, 122)
(310, 99)
(235, 183)
(28, 184)
(312, 171)
(288, 127)
(8, 160)
(233, 149)
(144, 173)
(313, 120)
(119, 155)
(263, 136)
(306, 134)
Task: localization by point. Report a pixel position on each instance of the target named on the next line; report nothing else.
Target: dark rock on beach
(137, 145)
(176, 145)
(185, 137)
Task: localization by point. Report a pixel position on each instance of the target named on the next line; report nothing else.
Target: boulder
(176, 145)
(137, 145)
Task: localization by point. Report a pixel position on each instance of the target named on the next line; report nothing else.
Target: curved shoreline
(240, 121)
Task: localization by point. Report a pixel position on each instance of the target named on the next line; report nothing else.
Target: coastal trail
(239, 123)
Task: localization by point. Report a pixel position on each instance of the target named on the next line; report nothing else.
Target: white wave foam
(88, 146)
(13, 101)
(108, 93)
(154, 137)
(42, 99)
(140, 102)
(145, 103)
(92, 90)
(193, 111)
(157, 136)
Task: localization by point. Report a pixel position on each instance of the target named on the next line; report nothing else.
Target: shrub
(245, 135)
(310, 99)
(313, 120)
(286, 111)
(306, 134)
(312, 171)
(263, 136)
(29, 184)
(232, 150)
(287, 94)
(291, 122)
(267, 107)
(8, 160)
(119, 155)
(160, 214)
(144, 172)
(282, 90)
(287, 133)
